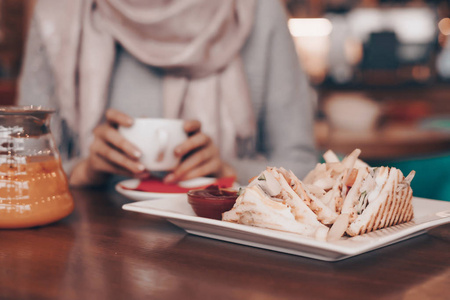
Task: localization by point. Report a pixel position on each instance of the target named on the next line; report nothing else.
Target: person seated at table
(228, 66)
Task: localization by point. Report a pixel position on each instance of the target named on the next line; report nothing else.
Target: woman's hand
(109, 153)
(200, 157)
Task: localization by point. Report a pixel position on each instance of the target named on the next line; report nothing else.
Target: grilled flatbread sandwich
(335, 198)
(379, 198)
(270, 202)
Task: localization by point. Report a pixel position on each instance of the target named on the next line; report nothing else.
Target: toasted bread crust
(395, 209)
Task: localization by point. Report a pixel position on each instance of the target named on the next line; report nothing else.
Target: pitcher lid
(25, 110)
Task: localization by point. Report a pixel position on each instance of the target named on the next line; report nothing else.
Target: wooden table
(103, 252)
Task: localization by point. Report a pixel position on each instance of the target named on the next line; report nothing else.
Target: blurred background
(380, 70)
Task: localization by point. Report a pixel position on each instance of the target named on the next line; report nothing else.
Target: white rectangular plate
(427, 214)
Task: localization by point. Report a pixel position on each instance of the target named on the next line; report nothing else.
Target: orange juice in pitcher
(34, 189)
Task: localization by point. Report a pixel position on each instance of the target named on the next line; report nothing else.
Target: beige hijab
(196, 43)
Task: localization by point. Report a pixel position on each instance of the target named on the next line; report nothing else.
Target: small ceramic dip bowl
(212, 201)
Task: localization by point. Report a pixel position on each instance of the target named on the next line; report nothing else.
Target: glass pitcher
(34, 189)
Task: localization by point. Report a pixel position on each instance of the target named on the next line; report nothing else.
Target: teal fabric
(432, 178)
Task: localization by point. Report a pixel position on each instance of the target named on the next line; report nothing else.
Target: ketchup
(212, 201)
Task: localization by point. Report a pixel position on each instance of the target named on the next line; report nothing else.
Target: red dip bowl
(212, 201)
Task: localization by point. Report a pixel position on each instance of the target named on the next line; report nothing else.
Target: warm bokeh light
(310, 27)
(312, 41)
(421, 73)
(353, 49)
(444, 26)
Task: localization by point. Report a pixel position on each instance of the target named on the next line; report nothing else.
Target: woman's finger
(113, 137)
(194, 142)
(208, 168)
(100, 164)
(191, 162)
(192, 126)
(116, 117)
(99, 147)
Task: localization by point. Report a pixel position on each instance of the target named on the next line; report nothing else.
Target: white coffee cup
(157, 139)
